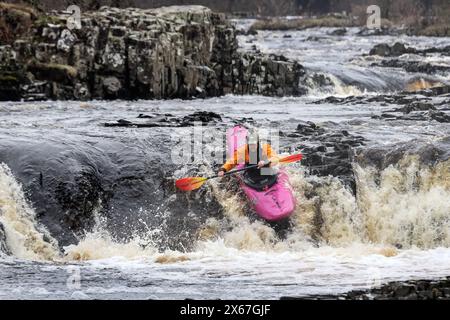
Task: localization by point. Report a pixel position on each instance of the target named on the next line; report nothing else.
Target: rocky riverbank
(409, 290)
(336, 20)
(396, 290)
(170, 52)
(283, 23)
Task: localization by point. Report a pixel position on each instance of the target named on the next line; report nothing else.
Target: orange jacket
(238, 156)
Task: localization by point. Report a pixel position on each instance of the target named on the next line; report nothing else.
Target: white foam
(24, 237)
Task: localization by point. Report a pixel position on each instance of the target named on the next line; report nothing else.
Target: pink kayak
(273, 203)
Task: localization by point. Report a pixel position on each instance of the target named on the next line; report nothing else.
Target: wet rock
(443, 51)
(413, 66)
(327, 151)
(383, 31)
(403, 290)
(271, 75)
(398, 49)
(382, 49)
(439, 116)
(403, 98)
(336, 100)
(3, 245)
(201, 116)
(12, 74)
(416, 106)
(339, 32)
(400, 290)
(145, 116)
(314, 38)
(428, 153)
(251, 32)
(419, 110)
(319, 80)
(436, 91)
(385, 50)
(72, 181)
(440, 50)
(112, 87)
(168, 120)
(128, 124)
(306, 127)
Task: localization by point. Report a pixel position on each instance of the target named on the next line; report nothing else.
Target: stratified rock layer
(170, 52)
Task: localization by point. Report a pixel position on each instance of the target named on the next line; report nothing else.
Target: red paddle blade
(293, 158)
(189, 184)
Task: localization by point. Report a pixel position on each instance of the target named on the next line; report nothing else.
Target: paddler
(253, 152)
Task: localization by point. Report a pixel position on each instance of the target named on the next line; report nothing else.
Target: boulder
(396, 50)
(339, 32)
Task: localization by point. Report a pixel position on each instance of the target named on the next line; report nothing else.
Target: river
(90, 211)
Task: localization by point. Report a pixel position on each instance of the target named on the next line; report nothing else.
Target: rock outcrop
(167, 120)
(327, 151)
(413, 66)
(396, 290)
(398, 49)
(170, 52)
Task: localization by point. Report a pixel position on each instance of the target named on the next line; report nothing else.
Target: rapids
(76, 195)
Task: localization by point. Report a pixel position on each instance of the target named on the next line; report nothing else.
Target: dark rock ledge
(167, 120)
(398, 49)
(417, 107)
(399, 290)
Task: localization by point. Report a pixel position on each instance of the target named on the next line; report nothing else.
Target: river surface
(145, 241)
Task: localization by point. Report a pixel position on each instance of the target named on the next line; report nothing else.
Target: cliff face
(170, 52)
(261, 7)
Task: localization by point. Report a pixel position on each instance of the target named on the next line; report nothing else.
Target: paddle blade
(293, 158)
(189, 184)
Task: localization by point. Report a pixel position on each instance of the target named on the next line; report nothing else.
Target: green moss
(10, 78)
(7, 78)
(44, 20)
(69, 70)
(53, 72)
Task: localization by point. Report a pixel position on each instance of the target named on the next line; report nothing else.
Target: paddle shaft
(193, 183)
(238, 170)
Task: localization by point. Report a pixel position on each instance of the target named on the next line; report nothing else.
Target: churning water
(145, 241)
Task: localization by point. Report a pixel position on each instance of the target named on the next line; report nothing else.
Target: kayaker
(255, 153)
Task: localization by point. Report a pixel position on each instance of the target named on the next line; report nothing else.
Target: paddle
(194, 183)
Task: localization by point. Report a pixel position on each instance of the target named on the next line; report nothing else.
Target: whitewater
(395, 225)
